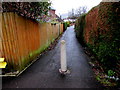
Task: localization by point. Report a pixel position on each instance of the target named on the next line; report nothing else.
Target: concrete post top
(62, 41)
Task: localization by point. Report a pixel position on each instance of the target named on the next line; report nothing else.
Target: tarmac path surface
(44, 73)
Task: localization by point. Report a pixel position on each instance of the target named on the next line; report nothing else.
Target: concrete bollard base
(64, 72)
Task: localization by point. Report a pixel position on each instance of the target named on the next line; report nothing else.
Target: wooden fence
(23, 39)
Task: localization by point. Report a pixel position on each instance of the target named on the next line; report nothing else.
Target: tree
(74, 14)
(71, 14)
(81, 10)
(84, 9)
(33, 10)
(78, 12)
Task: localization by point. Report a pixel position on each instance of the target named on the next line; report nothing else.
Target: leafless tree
(84, 9)
(81, 10)
(76, 13)
(71, 13)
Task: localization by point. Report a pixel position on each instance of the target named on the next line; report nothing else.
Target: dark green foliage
(33, 10)
(106, 45)
(65, 25)
(111, 73)
(79, 28)
(68, 24)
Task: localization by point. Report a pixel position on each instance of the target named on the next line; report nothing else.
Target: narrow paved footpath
(44, 73)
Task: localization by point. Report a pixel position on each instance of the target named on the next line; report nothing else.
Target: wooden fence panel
(21, 39)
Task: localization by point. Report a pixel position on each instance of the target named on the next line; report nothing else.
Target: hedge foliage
(65, 25)
(79, 28)
(32, 10)
(106, 45)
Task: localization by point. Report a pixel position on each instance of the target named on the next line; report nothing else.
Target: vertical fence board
(6, 41)
(1, 36)
(10, 39)
(15, 39)
(3, 40)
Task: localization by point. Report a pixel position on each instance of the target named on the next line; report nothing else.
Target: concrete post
(63, 56)
(63, 60)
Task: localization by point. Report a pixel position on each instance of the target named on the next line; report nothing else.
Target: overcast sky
(64, 6)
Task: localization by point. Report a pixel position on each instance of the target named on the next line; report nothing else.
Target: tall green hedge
(106, 46)
(79, 28)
